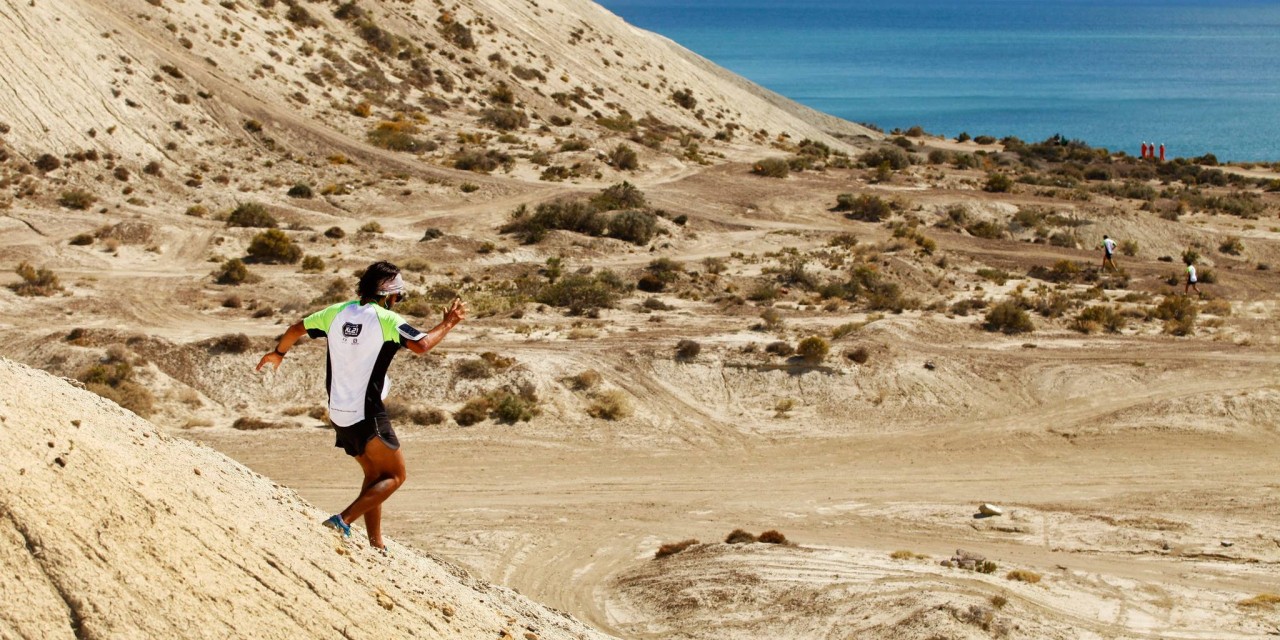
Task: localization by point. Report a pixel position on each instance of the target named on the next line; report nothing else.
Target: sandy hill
(110, 528)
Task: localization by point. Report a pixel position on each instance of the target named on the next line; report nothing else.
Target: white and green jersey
(363, 338)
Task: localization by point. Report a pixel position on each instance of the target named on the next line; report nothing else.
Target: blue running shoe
(335, 522)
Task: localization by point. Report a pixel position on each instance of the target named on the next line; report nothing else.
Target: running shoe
(335, 522)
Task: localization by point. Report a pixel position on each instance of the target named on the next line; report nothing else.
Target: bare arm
(291, 335)
(456, 314)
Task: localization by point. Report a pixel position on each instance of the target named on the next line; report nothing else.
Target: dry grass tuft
(739, 536)
(1262, 600)
(672, 548)
(1022, 575)
(773, 536)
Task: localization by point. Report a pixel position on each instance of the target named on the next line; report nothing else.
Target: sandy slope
(111, 528)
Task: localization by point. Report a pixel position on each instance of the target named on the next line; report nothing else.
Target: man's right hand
(274, 358)
(457, 312)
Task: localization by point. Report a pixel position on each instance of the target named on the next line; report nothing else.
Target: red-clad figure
(1144, 149)
(1161, 153)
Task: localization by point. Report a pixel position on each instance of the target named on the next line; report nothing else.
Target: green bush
(1009, 318)
(580, 293)
(1232, 246)
(510, 408)
(624, 158)
(251, 214)
(476, 410)
(273, 246)
(623, 195)
(866, 207)
(998, 183)
(482, 160)
(894, 157)
(398, 135)
(771, 168)
(335, 233)
(300, 190)
(635, 226)
(569, 215)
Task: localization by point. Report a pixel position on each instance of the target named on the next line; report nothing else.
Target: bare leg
(384, 473)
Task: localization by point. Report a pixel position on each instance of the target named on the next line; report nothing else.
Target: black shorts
(354, 438)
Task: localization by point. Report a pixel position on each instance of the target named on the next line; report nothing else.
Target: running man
(1191, 279)
(363, 336)
(1109, 253)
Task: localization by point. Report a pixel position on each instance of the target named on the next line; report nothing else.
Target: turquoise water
(1200, 77)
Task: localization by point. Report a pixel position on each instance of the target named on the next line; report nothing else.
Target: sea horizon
(1198, 79)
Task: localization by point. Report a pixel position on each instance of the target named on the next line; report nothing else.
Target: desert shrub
(1022, 575)
(739, 536)
(684, 98)
(232, 272)
(373, 226)
(510, 408)
(114, 381)
(1179, 314)
(245, 423)
(574, 144)
(77, 199)
(610, 405)
(474, 369)
(230, 343)
(335, 233)
(651, 283)
(1099, 317)
(586, 380)
(624, 157)
(772, 536)
(580, 292)
(35, 282)
(431, 234)
(773, 319)
(80, 240)
(622, 195)
(481, 160)
(998, 183)
(1232, 245)
(985, 229)
(866, 207)
(273, 246)
(313, 264)
(771, 168)
(635, 226)
(251, 214)
(1007, 317)
(476, 410)
(300, 190)
(894, 158)
(687, 349)
(47, 162)
(504, 118)
(859, 355)
(672, 548)
(398, 135)
(813, 349)
(1129, 247)
(779, 348)
(426, 417)
(1062, 271)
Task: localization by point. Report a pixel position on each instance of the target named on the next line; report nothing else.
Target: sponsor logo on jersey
(351, 329)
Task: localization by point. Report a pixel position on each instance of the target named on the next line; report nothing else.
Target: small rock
(529, 635)
(928, 364)
(75, 423)
(447, 611)
(988, 509)
(1228, 543)
(197, 472)
(385, 601)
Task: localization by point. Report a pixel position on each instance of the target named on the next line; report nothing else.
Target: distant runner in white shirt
(1108, 253)
(363, 336)
(1191, 280)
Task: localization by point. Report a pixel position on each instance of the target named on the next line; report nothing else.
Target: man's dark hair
(375, 275)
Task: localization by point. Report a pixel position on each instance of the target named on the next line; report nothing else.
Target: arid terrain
(696, 308)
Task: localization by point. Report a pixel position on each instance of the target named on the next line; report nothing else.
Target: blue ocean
(1199, 76)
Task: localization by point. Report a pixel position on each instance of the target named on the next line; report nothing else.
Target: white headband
(391, 286)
